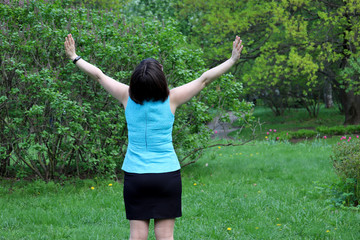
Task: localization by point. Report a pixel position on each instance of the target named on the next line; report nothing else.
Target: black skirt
(152, 195)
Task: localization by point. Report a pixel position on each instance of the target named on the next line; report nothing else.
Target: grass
(263, 190)
(291, 120)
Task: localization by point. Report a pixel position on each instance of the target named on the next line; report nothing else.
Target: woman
(152, 182)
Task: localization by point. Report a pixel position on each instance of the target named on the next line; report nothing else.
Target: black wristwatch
(76, 59)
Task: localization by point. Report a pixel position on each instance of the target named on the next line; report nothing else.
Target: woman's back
(150, 148)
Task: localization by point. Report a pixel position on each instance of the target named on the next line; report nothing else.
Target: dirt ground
(222, 129)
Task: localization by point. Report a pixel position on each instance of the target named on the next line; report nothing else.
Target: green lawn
(263, 190)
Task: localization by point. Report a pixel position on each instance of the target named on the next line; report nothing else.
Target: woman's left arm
(185, 92)
(115, 88)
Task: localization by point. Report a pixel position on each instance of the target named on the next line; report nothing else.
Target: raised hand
(70, 47)
(237, 48)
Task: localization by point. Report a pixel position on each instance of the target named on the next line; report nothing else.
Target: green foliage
(338, 130)
(304, 133)
(292, 48)
(346, 162)
(308, 133)
(288, 135)
(160, 9)
(351, 75)
(58, 122)
(100, 4)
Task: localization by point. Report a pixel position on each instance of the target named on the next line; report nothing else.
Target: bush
(288, 135)
(55, 121)
(346, 162)
(320, 131)
(304, 133)
(338, 130)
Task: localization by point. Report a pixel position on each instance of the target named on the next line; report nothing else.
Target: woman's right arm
(118, 90)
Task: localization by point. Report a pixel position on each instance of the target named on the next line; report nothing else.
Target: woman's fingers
(69, 46)
(237, 42)
(69, 41)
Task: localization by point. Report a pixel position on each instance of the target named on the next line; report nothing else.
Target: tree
(293, 49)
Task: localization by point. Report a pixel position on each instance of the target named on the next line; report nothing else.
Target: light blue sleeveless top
(150, 148)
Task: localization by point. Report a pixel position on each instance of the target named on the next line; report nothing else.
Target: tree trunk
(328, 94)
(352, 108)
(5, 162)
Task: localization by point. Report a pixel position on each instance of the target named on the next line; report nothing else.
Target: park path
(222, 129)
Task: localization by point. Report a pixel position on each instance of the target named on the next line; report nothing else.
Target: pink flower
(274, 130)
(277, 138)
(349, 138)
(357, 136)
(215, 131)
(270, 130)
(338, 143)
(267, 133)
(287, 133)
(324, 137)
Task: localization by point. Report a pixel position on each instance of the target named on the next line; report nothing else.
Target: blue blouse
(150, 148)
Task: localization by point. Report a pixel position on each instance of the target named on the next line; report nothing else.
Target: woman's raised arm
(115, 88)
(185, 92)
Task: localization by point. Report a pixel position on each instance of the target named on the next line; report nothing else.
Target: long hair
(148, 82)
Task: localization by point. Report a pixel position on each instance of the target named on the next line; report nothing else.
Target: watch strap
(76, 59)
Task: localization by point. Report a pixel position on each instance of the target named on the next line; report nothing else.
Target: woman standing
(152, 182)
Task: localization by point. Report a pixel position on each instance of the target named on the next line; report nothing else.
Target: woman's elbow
(204, 79)
(99, 76)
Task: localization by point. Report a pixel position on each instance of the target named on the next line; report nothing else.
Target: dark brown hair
(148, 82)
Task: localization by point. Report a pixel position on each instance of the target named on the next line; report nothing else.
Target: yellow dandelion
(219, 147)
(278, 224)
(110, 184)
(266, 137)
(195, 184)
(92, 188)
(229, 229)
(277, 219)
(251, 155)
(327, 231)
(257, 228)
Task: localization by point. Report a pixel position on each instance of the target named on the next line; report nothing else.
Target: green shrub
(55, 121)
(346, 162)
(304, 133)
(338, 130)
(288, 135)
